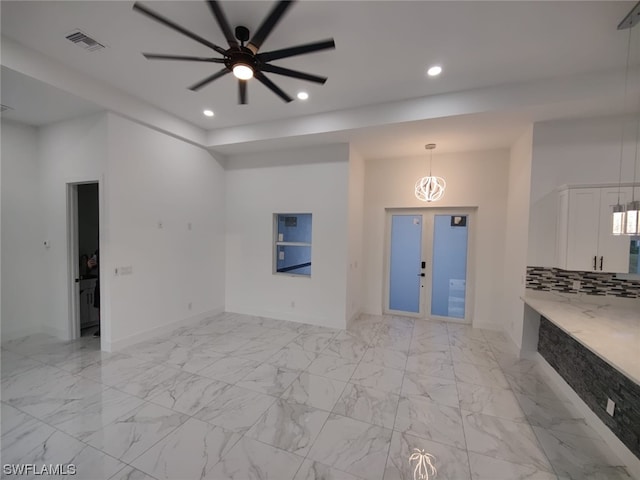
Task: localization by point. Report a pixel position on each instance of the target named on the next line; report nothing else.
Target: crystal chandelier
(430, 188)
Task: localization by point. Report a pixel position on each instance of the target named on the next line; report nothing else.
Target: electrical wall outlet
(281, 255)
(576, 285)
(611, 406)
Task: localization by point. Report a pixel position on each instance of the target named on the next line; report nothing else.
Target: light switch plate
(281, 256)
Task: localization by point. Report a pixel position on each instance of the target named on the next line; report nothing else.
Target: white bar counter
(609, 327)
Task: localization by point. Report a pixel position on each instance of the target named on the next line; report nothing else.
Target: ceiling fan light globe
(242, 71)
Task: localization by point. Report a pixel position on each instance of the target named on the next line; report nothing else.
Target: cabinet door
(562, 229)
(583, 229)
(613, 250)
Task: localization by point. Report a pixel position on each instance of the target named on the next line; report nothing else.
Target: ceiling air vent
(85, 41)
(4, 108)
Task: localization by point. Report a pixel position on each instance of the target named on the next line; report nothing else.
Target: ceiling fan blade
(209, 79)
(299, 50)
(162, 56)
(169, 23)
(293, 73)
(218, 13)
(268, 25)
(272, 86)
(242, 92)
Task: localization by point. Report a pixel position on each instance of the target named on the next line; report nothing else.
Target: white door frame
(428, 215)
(73, 254)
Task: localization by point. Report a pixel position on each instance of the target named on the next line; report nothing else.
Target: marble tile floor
(240, 397)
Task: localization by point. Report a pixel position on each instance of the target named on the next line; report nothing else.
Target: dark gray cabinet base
(594, 380)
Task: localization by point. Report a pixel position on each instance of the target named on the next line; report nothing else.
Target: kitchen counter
(607, 327)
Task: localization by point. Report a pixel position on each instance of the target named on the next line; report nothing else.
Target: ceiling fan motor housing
(241, 55)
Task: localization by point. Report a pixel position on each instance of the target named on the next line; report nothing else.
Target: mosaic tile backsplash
(591, 283)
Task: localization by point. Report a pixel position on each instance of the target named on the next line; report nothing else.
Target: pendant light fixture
(632, 224)
(632, 220)
(430, 188)
(619, 211)
(623, 216)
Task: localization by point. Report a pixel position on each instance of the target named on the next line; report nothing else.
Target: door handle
(421, 274)
(595, 259)
(601, 260)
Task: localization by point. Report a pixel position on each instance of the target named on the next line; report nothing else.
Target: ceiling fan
(242, 58)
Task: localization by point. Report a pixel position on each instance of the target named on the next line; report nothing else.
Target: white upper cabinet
(585, 241)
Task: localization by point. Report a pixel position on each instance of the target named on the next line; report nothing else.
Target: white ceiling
(36, 103)
(382, 51)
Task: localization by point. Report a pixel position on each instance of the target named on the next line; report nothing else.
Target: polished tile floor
(239, 397)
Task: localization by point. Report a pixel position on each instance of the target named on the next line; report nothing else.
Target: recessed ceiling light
(303, 95)
(434, 71)
(208, 113)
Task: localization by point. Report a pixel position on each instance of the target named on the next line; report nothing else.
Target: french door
(427, 272)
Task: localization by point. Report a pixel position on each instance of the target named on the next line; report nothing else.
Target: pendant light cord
(635, 160)
(626, 81)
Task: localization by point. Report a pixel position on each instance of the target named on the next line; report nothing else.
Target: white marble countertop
(608, 327)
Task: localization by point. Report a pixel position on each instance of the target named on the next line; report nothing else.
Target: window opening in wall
(634, 257)
(292, 244)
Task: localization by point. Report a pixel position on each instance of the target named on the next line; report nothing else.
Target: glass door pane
(449, 272)
(404, 268)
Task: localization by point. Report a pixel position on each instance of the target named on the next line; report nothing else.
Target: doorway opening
(84, 257)
(429, 266)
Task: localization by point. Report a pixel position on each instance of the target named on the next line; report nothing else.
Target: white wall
(68, 152)
(474, 179)
(311, 180)
(355, 223)
(156, 178)
(516, 241)
(22, 249)
(573, 152)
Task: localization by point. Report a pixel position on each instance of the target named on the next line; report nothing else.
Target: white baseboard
(560, 386)
(496, 327)
(371, 311)
(157, 331)
(56, 332)
(292, 316)
(13, 334)
(354, 316)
